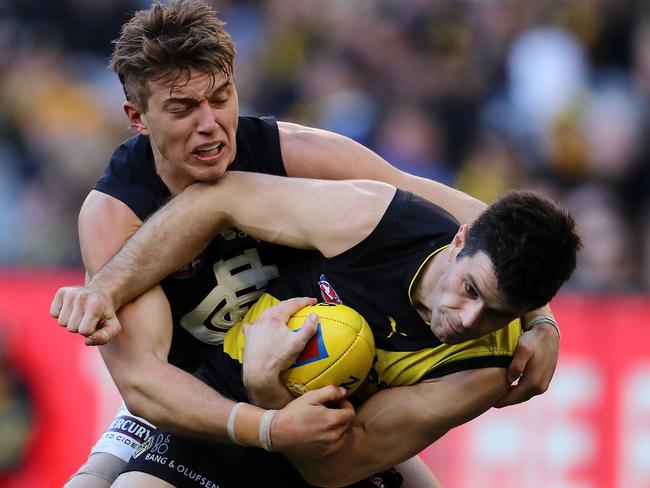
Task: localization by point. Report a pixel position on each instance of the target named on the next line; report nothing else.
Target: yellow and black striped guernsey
(375, 278)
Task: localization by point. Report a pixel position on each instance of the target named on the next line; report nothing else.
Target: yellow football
(340, 352)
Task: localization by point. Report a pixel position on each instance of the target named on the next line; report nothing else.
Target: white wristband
(540, 319)
(231, 422)
(265, 429)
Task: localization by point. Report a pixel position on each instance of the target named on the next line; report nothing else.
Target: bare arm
(137, 360)
(309, 214)
(397, 423)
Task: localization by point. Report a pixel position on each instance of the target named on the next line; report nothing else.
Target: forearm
(267, 393)
(194, 409)
(398, 423)
(171, 238)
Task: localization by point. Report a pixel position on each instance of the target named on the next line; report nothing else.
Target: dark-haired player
(442, 302)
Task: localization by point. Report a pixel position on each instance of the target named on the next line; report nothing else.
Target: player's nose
(471, 314)
(206, 122)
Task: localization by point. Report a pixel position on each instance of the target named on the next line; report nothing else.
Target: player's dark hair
(172, 40)
(532, 243)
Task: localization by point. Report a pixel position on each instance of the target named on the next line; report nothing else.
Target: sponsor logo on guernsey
(190, 269)
(393, 328)
(131, 427)
(376, 481)
(144, 447)
(327, 292)
(315, 349)
(234, 233)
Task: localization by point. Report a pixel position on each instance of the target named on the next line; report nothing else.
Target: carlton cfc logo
(327, 292)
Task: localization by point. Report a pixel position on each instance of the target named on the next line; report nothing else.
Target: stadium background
(484, 95)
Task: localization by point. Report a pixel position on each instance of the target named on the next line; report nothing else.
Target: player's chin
(448, 337)
(452, 339)
(211, 172)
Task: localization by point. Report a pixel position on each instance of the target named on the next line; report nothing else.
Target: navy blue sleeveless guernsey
(214, 291)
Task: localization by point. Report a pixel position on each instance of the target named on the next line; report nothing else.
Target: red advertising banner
(72, 395)
(591, 429)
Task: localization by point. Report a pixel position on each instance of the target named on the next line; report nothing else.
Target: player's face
(466, 303)
(192, 128)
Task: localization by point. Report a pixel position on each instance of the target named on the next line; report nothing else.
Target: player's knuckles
(517, 366)
(540, 388)
(535, 386)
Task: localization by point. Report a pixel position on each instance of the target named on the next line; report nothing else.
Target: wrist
(251, 426)
(540, 321)
(267, 391)
(112, 296)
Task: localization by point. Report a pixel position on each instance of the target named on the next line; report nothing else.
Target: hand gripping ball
(340, 353)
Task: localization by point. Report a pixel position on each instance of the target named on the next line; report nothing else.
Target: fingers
(85, 311)
(522, 357)
(62, 306)
(287, 308)
(327, 394)
(308, 329)
(526, 389)
(104, 335)
(57, 303)
(529, 385)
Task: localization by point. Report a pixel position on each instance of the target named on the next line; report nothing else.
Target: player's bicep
(316, 153)
(296, 212)
(145, 338)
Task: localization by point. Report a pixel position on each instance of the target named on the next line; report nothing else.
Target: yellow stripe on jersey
(398, 368)
(233, 342)
(417, 273)
(409, 367)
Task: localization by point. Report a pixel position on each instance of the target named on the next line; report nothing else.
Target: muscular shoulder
(315, 153)
(105, 223)
(302, 147)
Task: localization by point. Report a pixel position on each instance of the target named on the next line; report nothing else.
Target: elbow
(131, 390)
(136, 405)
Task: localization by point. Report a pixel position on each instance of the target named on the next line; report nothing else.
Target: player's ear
(136, 117)
(458, 241)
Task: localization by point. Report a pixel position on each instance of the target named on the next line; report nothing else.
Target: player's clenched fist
(86, 311)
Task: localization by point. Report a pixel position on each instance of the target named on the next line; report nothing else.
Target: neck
(173, 179)
(426, 282)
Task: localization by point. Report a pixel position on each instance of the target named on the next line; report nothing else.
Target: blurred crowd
(484, 95)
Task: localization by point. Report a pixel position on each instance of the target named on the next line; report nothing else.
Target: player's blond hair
(170, 41)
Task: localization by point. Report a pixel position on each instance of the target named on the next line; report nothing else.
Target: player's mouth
(455, 330)
(209, 153)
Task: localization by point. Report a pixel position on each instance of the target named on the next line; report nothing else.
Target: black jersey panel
(211, 293)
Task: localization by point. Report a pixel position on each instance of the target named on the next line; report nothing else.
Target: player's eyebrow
(189, 101)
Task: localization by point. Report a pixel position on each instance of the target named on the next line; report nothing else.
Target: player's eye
(179, 111)
(470, 290)
(219, 101)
